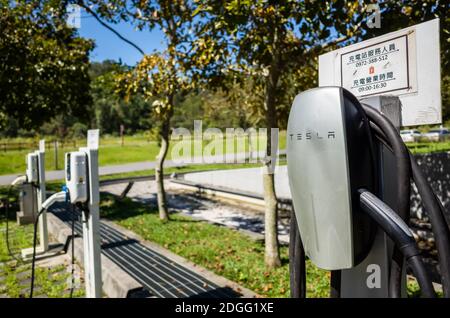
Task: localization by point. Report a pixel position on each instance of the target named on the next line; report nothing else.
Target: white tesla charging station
(367, 89)
(91, 217)
(35, 174)
(82, 184)
(82, 190)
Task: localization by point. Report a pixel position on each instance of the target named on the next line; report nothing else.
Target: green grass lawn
(15, 275)
(141, 148)
(428, 147)
(188, 168)
(111, 152)
(14, 161)
(224, 251)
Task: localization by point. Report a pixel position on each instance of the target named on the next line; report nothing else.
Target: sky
(109, 46)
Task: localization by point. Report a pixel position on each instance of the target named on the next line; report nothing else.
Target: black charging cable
(403, 169)
(297, 262)
(430, 202)
(394, 226)
(72, 273)
(388, 135)
(33, 259)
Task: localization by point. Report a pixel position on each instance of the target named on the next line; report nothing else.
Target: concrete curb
(210, 193)
(216, 279)
(116, 282)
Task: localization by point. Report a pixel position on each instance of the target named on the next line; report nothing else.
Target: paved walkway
(245, 180)
(128, 167)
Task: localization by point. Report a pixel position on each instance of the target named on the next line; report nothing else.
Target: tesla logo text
(313, 135)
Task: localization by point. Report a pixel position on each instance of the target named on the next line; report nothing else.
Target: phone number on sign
(371, 60)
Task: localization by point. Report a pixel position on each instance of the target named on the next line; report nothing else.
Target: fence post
(55, 145)
(122, 130)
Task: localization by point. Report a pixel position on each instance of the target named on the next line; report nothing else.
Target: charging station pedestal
(370, 278)
(398, 74)
(43, 247)
(91, 221)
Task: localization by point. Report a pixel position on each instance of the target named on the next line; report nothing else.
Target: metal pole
(86, 252)
(40, 198)
(43, 231)
(91, 222)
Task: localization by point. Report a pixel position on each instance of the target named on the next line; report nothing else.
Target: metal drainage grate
(159, 275)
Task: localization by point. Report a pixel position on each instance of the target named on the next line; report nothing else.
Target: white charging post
(399, 74)
(82, 189)
(91, 221)
(41, 196)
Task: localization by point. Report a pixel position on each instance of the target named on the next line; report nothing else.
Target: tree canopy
(47, 82)
(43, 64)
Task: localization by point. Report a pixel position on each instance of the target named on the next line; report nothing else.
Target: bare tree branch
(89, 10)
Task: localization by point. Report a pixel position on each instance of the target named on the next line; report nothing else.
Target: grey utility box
(28, 205)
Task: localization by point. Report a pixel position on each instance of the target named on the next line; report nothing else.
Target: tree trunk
(159, 170)
(272, 250)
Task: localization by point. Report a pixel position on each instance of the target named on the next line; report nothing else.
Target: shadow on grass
(284, 261)
(116, 209)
